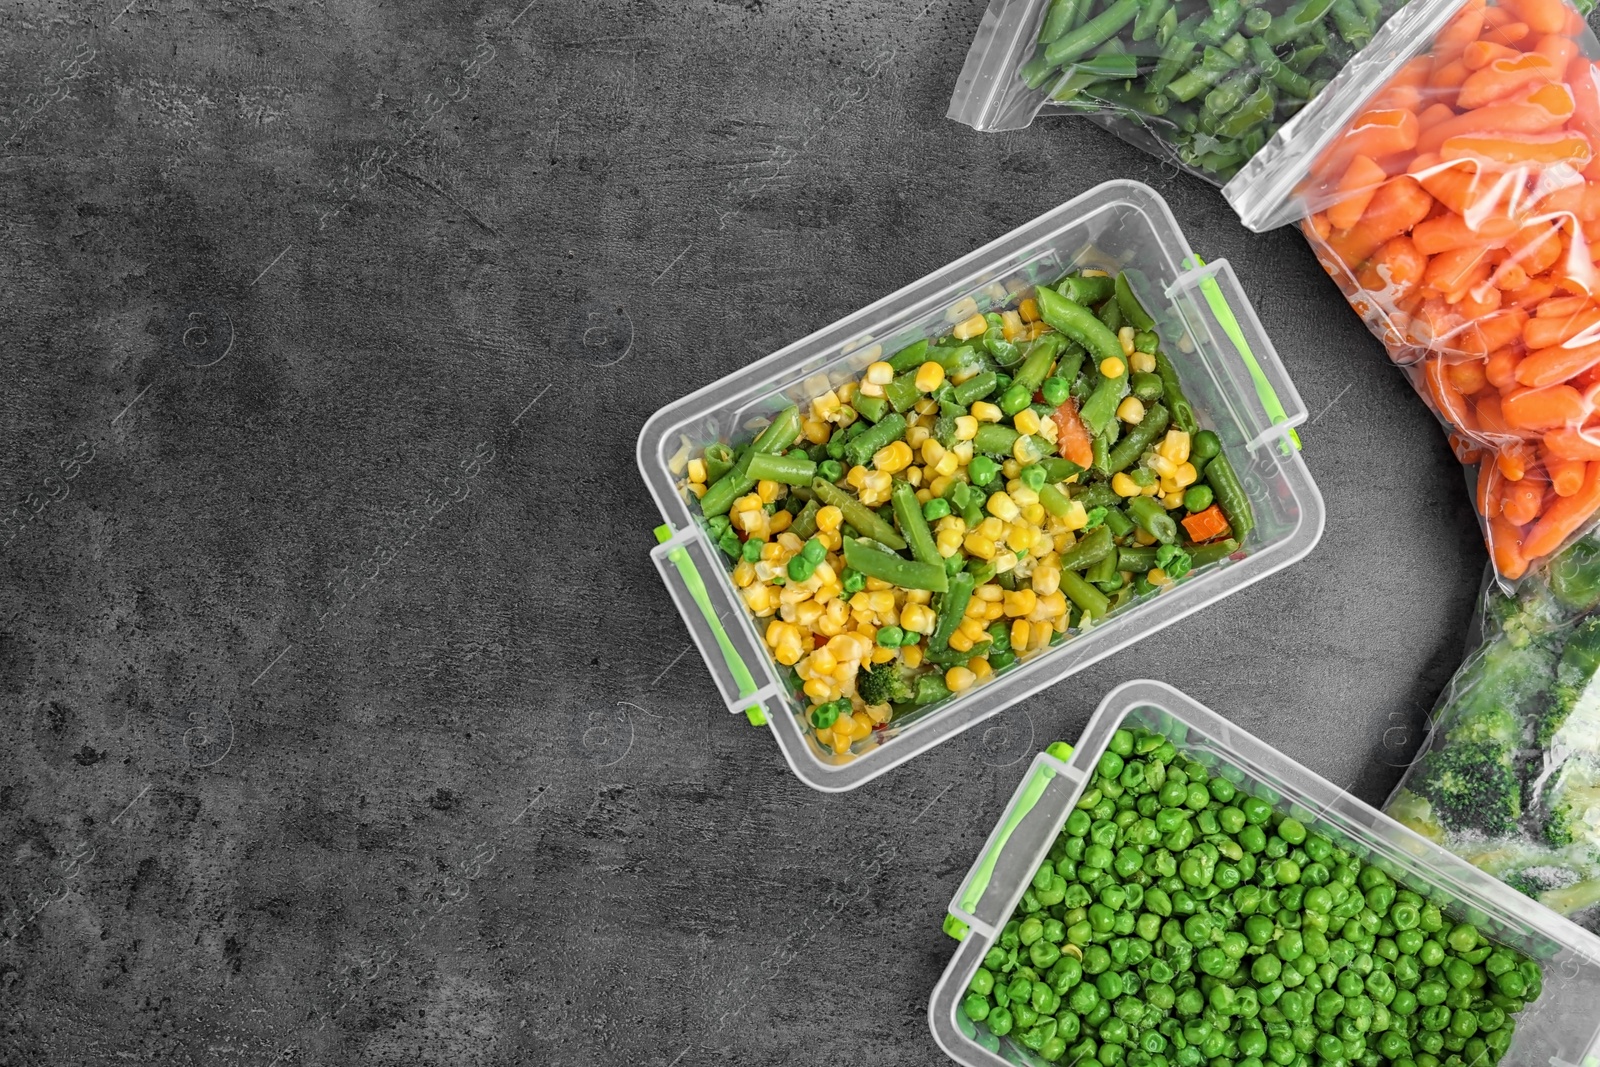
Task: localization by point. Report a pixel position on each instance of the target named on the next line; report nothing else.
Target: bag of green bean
(1204, 84)
(1509, 776)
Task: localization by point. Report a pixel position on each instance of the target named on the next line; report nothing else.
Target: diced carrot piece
(1207, 524)
(1072, 437)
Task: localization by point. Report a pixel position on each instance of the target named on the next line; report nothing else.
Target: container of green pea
(1174, 893)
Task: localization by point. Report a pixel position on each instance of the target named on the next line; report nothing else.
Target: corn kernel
(1172, 500)
(966, 427)
(988, 592)
(972, 628)
(829, 518)
(879, 713)
(992, 527)
(961, 642)
(1022, 494)
(947, 541)
(1026, 421)
(856, 477)
(1011, 326)
(744, 574)
(994, 611)
(1019, 633)
(1142, 362)
(932, 451)
(767, 490)
(1157, 576)
(963, 452)
(1020, 603)
(758, 598)
(1112, 367)
(926, 406)
(911, 655)
(1037, 330)
(879, 373)
(1034, 513)
(1175, 446)
(929, 377)
(892, 457)
(1022, 537)
(807, 612)
(1095, 272)
(1046, 579)
(1185, 475)
(841, 742)
(969, 328)
(697, 470)
(1028, 310)
(959, 679)
(882, 655)
(1122, 485)
(984, 411)
(779, 521)
(1026, 450)
(1076, 518)
(698, 490)
(961, 309)
(1141, 536)
(1049, 606)
(1125, 338)
(1049, 430)
(1131, 410)
(1150, 490)
(1002, 507)
(980, 546)
(975, 608)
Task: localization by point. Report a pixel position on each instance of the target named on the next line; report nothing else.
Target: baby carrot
(1399, 204)
(1481, 53)
(1377, 133)
(1505, 545)
(1514, 460)
(1447, 399)
(1486, 407)
(1564, 517)
(1542, 16)
(1558, 49)
(1531, 294)
(1503, 77)
(1451, 231)
(1487, 491)
(1570, 442)
(1547, 366)
(1545, 408)
(1356, 189)
(1544, 110)
(1585, 89)
(1556, 329)
(1447, 76)
(1479, 300)
(1495, 332)
(1511, 32)
(1566, 475)
(1501, 367)
(1539, 149)
(1396, 268)
(1521, 501)
(1449, 271)
(1467, 376)
(1460, 31)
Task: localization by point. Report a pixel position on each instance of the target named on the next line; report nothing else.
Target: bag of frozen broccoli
(1204, 84)
(1509, 777)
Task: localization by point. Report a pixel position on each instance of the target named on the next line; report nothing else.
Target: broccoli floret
(1488, 724)
(1580, 659)
(1470, 786)
(884, 683)
(1572, 805)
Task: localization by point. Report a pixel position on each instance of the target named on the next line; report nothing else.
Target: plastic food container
(1229, 369)
(1561, 1027)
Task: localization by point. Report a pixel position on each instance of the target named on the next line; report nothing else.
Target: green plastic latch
(697, 589)
(1025, 802)
(1218, 303)
(955, 927)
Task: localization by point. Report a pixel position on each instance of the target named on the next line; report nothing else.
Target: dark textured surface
(347, 719)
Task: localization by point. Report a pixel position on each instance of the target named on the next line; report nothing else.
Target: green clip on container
(1562, 1027)
(1229, 369)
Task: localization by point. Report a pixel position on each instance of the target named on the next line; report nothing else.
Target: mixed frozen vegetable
(1510, 778)
(1458, 212)
(1179, 919)
(969, 501)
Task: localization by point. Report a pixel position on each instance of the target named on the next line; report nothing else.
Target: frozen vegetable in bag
(1510, 775)
(1200, 83)
(1457, 205)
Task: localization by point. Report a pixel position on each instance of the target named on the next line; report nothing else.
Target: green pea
(1431, 954)
(1000, 1021)
(1463, 937)
(891, 637)
(1197, 497)
(975, 1007)
(935, 509)
(982, 470)
(1204, 445)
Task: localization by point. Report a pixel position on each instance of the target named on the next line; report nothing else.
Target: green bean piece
(1215, 64)
(910, 357)
(1081, 290)
(1175, 54)
(1096, 31)
(1091, 548)
(1100, 410)
(1117, 522)
(719, 459)
(1257, 108)
(886, 431)
(1141, 437)
(1257, 19)
(1054, 501)
(1103, 573)
(953, 359)
(976, 388)
(783, 431)
(1172, 392)
(1213, 551)
(871, 408)
(1080, 324)
(1132, 311)
(1220, 24)
(1296, 21)
(995, 438)
(1148, 514)
(1230, 494)
(1149, 17)
(1057, 20)
(1058, 469)
(857, 514)
(1036, 362)
(790, 470)
(902, 393)
(952, 609)
(913, 527)
(888, 567)
(1080, 592)
(1225, 98)
(805, 523)
(1137, 558)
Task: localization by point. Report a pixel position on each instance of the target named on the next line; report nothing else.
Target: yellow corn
(926, 406)
(961, 642)
(980, 546)
(1020, 602)
(758, 598)
(932, 451)
(948, 464)
(1010, 325)
(948, 541)
(882, 655)
(1162, 466)
(1046, 579)
(984, 411)
(830, 518)
(879, 713)
(1185, 475)
(916, 617)
(1172, 500)
(1175, 446)
(825, 406)
(1122, 485)
(929, 377)
(744, 574)
(779, 521)
(1141, 536)
(789, 648)
(988, 591)
(1023, 495)
(1049, 606)
(966, 427)
(917, 436)
(1095, 272)
(893, 457)
(698, 490)
(1002, 507)
(963, 452)
(959, 679)
(857, 477)
(768, 490)
(818, 689)
(979, 667)
(1156, 576)
(969, 328)
(1142, 362)
(879, 373)
(1019, 633)
(1026, 421)
(1037, 330)
(1022, 537)
(1049, 430)
(1125, 339)
(807, 612)
(841, 742)
(992, 527)
(1026, 451)
(975, 607)
(911, 655)
(1150, 490)
(1131, 410)
(1034, 513)
(697, 471)
(1028, 310)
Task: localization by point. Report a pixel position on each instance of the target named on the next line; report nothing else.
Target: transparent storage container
(1561, 1028)
(1230, 372)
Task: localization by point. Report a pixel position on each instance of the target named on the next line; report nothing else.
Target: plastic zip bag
(1509, 777)
(1456, 202)
(1204, 84)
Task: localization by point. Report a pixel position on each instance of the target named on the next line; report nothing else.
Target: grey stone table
(346, 719)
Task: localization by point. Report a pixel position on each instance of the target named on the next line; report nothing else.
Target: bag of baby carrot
(1454, 196)
(1204, 84)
